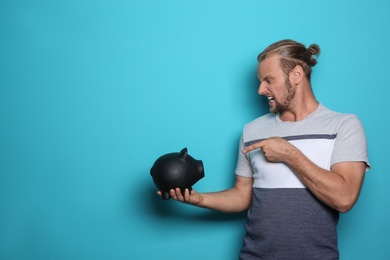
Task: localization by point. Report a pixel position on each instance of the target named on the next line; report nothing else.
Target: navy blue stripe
(297, 137)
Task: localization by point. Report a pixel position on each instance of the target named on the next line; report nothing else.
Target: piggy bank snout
(200, 170)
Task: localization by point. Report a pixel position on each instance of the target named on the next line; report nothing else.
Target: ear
(297, 75)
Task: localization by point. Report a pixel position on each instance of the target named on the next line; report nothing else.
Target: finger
(253, 147)
(172, 192)
(186, 195)
(179, 195)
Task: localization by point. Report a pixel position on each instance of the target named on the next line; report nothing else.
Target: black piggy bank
(176, 170)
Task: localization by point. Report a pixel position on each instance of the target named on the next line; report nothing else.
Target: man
(298, 166)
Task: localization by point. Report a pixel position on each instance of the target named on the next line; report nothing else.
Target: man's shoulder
(328, 113)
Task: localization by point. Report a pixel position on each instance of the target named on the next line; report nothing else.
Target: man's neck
(300, 111)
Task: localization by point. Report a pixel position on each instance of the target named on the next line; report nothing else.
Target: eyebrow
(266, 78)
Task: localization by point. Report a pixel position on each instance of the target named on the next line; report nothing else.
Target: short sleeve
(243, 167)
(351, 143)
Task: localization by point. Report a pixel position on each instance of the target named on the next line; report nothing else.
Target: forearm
(236, 199)
(339, 191)
(230, 201)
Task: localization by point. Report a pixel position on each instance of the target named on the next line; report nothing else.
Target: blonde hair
(291, 54)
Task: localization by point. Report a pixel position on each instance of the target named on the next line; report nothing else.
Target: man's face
(275, 85)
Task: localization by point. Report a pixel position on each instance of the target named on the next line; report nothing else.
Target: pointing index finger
(253, 147)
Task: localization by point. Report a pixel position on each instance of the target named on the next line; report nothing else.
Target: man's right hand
(188, 197)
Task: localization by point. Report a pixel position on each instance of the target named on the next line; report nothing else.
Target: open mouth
(270, 99)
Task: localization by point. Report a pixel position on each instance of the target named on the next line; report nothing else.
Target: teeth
(270, 98)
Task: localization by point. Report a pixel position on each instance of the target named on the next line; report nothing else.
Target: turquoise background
(92, 92)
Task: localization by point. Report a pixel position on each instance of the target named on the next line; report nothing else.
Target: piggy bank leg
(165, 195)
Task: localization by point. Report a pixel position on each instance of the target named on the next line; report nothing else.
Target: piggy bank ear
(183, 153)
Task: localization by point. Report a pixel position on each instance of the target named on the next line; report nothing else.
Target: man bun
(313, 49)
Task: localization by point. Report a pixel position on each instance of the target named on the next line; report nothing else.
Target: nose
(262, 88)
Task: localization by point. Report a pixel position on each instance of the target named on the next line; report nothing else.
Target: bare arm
(338, 188)
(235, 199)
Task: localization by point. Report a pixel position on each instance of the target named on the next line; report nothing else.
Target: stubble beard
(288, 96)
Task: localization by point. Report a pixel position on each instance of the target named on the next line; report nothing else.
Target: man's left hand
(275, 149)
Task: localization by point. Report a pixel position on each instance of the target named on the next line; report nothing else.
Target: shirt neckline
(277, 117)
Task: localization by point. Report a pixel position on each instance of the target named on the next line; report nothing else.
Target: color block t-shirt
(285, 221)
